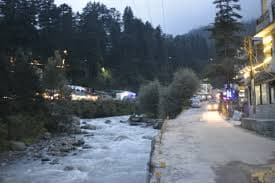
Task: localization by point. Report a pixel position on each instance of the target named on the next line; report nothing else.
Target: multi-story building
(263, 64)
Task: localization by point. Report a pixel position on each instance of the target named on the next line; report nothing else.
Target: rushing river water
(119, 154)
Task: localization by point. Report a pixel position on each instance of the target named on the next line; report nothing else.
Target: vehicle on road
(196, 104)
(212, 105)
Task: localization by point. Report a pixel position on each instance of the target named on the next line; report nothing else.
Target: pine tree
(54, 78)
(226, 30)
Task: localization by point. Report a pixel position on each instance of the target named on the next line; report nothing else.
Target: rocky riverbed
(103, 150)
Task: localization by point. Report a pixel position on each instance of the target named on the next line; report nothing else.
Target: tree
(177, 95)
(148, 99)
(227, 28)
(54, 75)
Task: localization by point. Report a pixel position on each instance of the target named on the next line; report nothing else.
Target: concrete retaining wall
(265, 127)
(264, 111)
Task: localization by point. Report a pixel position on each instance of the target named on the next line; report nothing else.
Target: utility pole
(250, 53)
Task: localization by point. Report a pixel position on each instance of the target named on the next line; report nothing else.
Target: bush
(148, 99)
(100, 109)
(24, 126)
(176, 96)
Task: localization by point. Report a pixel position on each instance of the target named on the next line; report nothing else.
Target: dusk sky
(180, 17)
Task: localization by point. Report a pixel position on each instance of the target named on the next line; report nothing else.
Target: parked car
(196, 104)
(212, 105)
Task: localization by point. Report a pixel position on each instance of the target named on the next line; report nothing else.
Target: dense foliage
(101, 47)
(99, 109)
(148, 99)
(227, 34)
(168, 101)
(177, 95)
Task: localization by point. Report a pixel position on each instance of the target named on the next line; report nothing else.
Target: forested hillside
(100, 47)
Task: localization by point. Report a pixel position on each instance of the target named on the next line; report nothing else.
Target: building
(263, 64)
(260, 72)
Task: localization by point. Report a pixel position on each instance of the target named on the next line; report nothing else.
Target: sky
(176, 16)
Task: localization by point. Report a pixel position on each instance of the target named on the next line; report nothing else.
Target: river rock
(54, 161)
(89, 127)
(158, 124)
(133, 123)
(76, 129)
(46, 136)
(135, 118)
(86, 146)
(69, 168)
(121, 137)
(79, 142)
(76, 120)
(108, 122)
(122, 121)
(89, 135)
(45, 159)
(148, 137)
(17, 146)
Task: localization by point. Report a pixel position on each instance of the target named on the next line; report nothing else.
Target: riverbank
(113, 151)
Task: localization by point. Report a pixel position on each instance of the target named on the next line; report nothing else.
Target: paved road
(200, 147)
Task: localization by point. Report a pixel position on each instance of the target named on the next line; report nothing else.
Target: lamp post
(249, 51)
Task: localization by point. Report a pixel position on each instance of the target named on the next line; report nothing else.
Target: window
(265, 94)
(258, 94)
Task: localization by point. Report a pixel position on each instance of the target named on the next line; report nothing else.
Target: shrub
(99, 109)
(176, 96)
(59, 118)
(148, 99)
(24, 126)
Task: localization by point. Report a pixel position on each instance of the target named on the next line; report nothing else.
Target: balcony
(263, 21)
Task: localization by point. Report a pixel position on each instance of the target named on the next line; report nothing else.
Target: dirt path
(200, 147)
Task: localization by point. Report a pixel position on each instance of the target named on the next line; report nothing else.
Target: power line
(149, 11)
(135, 6)
(163, 15)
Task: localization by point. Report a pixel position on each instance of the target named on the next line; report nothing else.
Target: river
(119, 154)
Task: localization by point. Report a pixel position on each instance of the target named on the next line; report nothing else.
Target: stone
(67, 149)
(89, 127)
(122, 121)
(79, 142)
(133, 123)
(148, 137)
(121, 137)
(135, 118)
(45, 159)
(69, 168)
(76, 130)
(47, 136)
(108, 122)
(89, 135)
(86, 146)
(17, 146)
(76, 120)
(54, 161)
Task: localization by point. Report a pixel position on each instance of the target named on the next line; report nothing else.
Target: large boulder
(17, 146)
(46, 136)
(89, 127)
(135, 118)
(76, 120)
(108, 122)
(79, 142)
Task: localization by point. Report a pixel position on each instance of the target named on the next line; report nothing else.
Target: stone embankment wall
(155, 164)
(265, 127)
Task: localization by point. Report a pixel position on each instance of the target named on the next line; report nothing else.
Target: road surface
(201, 147)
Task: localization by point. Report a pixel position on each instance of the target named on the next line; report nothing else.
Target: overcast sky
(180, 16)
